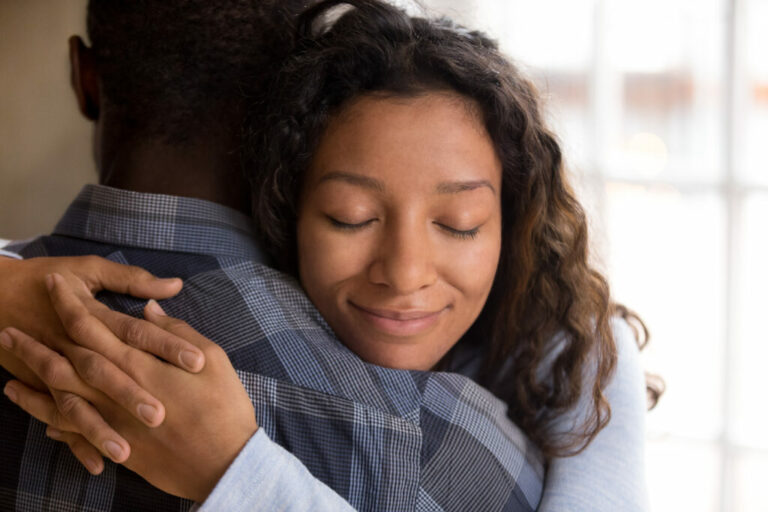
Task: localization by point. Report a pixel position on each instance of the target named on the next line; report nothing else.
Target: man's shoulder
(163, 263)
(470, 441)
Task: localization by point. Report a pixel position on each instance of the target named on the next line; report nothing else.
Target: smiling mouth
(399, 323)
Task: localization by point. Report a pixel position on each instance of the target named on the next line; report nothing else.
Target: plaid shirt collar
(159, 222)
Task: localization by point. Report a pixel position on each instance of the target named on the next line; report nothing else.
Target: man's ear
(85, 78)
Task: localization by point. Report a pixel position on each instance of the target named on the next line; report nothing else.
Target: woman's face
(399, 227)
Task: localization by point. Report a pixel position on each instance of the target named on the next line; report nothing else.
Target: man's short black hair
(172, 69)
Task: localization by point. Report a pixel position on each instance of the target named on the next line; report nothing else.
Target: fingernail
(93, 465)
(11, 392)
(49, 282)
(53, 433)
(155, 308)
(6, 341)
(190, 360)
(113, 449)
(149, 413)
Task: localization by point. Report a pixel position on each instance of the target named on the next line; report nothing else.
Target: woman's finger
(100, 373)
(38, 405)
(108, 362)
(83, 451)
(85, 329)
(54, 370)
(101, 274)
(42, 407)
(155, 314)
(69, 412)
(92, 426)
(58, 373)
(150, 338)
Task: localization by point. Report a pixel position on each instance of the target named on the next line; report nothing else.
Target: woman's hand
(209, 415)
(65, 412)
(24, 303)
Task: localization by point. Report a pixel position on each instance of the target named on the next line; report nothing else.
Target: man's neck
(200, 172)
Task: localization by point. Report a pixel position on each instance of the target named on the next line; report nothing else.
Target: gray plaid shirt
(383, 439)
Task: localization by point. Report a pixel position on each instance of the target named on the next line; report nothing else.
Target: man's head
(172, 73)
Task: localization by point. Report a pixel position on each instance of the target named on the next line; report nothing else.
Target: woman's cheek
(329, 255)
(474, 264)
(345, 256)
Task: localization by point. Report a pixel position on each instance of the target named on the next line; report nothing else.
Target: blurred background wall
(44, 143)
(662, 109)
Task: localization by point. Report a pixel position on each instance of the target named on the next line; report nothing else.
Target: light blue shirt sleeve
(609, 474)
(265, 476)
(9, 254)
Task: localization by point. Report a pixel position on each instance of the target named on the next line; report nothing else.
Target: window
(662, 107)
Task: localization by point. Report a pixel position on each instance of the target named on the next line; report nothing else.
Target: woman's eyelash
(468, 234)
(347, 226)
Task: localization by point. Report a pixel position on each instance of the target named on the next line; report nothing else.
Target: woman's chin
(398, 354)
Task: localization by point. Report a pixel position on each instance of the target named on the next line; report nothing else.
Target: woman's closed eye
(464, 234)
(349, 226)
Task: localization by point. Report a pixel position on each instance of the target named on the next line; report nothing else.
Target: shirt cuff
(264, 476)
(10, 254)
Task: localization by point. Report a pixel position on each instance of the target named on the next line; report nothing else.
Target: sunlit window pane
(750, 489)
(531, 29)
(682, 475)
(753, 140)
(751, 378)
(666, 261)
(562, 71)
(663, 92)
(465, 11)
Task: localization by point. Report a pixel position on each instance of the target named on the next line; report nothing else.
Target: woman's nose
(405, 261)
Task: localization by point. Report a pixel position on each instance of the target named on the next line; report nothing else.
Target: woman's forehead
(432, 136)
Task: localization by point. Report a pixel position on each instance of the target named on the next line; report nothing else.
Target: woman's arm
(206, 449)
(609, 474)
(24, 304)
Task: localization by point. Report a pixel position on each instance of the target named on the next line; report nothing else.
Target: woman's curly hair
(546, 298)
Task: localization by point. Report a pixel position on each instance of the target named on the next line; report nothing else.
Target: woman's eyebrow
(353, 179)
(446, 187)
(454, 187)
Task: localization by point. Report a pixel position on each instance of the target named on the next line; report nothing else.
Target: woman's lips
(399, 322)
